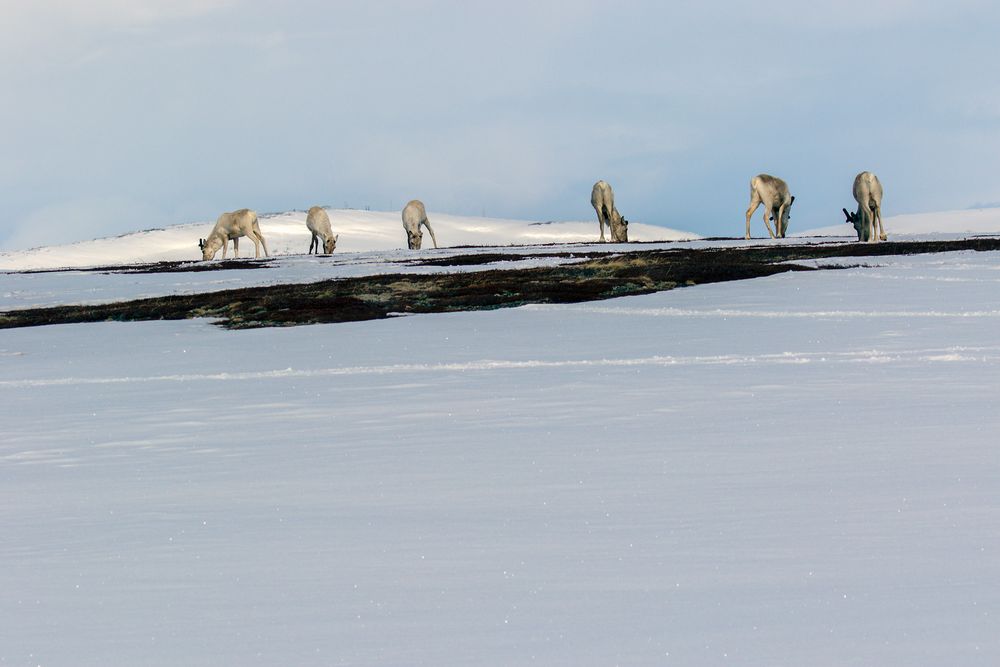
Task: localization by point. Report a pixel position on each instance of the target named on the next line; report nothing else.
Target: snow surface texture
(286, 233)
(794, 470)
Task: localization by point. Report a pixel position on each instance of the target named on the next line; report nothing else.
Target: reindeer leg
(433, 238)
(768, 211)
(881, 229)
(313, 243)
(256, 246)
(754, 203)
(779, 222)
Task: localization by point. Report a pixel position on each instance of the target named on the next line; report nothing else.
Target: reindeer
(868, 194)
(773, 193)
(414, 215)
(602, 198)
(232, 226)
(318, 223)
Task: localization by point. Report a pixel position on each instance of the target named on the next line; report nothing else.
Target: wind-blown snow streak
(990, 353)
(779, 314)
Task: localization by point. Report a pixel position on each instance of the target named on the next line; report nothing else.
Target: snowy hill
(286, 233)
(970, 221)
(377, 231)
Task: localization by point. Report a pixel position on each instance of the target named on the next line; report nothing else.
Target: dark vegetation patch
(381, 296)
(883, 249)
(181, 267)
(846, 266)
(495, 257)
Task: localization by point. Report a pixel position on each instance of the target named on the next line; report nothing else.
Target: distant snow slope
(972, 221)
(286, 233)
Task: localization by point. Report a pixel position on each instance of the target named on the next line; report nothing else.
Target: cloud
(35, 35)
(514, 108)
(32, 19)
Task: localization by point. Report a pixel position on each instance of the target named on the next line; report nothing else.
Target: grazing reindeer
(414, 215)
(773, 193)
(232, 226)
(868, 194)
(602, 198)
(318, 223)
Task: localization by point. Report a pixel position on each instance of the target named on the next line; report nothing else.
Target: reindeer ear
(792, 201)
(846, 214)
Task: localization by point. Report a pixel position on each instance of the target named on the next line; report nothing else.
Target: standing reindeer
(773, 193)
(414, 215)
(318, 222)
(868, 194)
(233, 225)
(602, 198)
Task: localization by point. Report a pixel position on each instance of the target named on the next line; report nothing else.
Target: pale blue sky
(129, 114)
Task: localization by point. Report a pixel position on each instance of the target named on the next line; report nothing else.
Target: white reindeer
(414, 215)
(318, 222)
(773, 193)
(868, 194)
(602, 198)
(233, 225)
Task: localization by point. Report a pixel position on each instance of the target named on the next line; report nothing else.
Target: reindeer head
(330, 244)
(414, 237)
(209, 247)
(619, 227)
(854, 219)
(786, 215)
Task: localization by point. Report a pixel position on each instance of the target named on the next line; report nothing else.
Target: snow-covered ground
(286, 233)
(380, 234)
(964, 222)
(801, 469)
(31, 289)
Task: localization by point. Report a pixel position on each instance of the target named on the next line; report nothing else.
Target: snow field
(792, 470)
